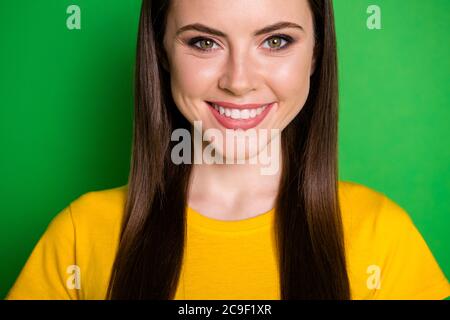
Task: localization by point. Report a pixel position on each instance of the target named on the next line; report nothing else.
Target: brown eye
(276, 42)
(207, 44)
(279, 42)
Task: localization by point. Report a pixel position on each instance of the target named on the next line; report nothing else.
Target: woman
(183, 230)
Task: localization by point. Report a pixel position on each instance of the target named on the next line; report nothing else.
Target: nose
(239, 76)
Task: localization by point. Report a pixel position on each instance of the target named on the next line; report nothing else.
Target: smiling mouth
(239, 114)
(234, 118)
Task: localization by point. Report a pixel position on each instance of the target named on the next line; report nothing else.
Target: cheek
(191, 81)
(290, 81)
(193, 76)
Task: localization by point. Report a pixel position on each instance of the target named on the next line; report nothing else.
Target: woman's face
(231, 59)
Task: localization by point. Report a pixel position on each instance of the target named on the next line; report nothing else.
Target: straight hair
(309, 233)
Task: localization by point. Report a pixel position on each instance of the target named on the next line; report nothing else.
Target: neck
(233, 191)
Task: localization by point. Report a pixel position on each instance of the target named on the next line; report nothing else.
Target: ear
(313, 62)
(313, 66)
(165, 64)
(162, 58)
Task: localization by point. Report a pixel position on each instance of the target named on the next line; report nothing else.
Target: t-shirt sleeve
(50, 272)
(410, 270)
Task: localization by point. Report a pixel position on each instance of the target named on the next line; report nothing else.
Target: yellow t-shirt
(386, 255)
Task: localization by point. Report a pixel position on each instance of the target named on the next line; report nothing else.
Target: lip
(243, 124)
(238, 106)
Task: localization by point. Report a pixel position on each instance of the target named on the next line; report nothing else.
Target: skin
(240, 68)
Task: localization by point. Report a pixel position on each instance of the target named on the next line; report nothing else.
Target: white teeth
(239, 113)
(245, 114)
(235, 114)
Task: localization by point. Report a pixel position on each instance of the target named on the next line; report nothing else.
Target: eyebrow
(270, 28)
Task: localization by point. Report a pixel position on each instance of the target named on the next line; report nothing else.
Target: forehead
(238, 15)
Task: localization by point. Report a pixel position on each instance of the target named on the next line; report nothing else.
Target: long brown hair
(308, 226)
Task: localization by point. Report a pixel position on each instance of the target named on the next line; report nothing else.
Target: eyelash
(289, 40)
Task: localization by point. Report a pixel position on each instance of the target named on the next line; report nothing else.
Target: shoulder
(97, 219)
(358, 196)
(387, 256)
(84, 234)
(97, 215)
(106, 204)
(370, 211)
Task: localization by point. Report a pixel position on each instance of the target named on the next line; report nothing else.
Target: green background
(66, 99)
